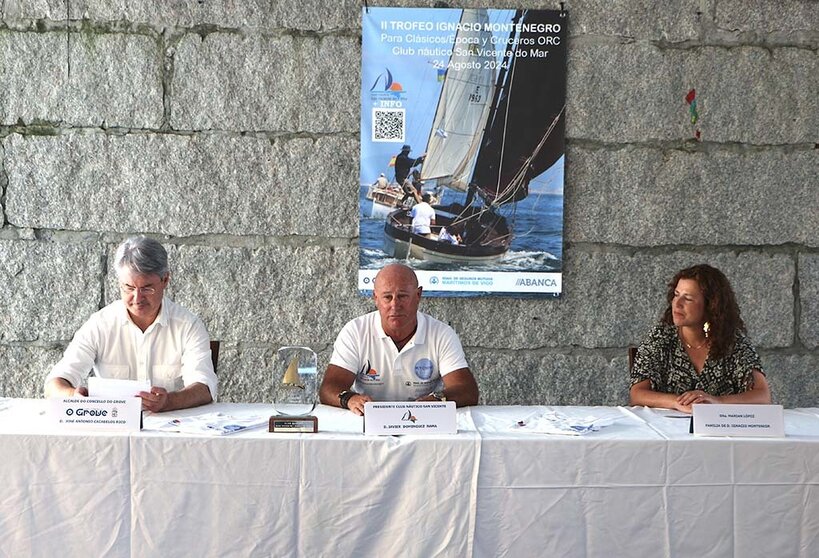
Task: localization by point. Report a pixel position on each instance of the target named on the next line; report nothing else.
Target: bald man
(397, 353)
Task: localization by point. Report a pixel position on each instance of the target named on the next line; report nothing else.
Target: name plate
(293, 425)
(409, 417)
(87, 413)
(739, 420)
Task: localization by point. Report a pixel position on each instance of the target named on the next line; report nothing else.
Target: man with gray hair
(142, 336)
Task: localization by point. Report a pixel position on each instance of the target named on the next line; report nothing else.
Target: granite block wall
(229, 130)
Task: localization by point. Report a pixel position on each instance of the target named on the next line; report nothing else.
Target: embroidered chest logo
(368, 373)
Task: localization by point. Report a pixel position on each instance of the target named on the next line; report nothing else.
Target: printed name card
(409, 417)
(739, 420)
(87, 414)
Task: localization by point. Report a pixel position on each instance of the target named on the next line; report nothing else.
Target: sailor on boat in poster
(482, 93)
(403, 191)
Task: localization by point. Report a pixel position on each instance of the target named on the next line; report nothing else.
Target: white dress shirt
(173, 353)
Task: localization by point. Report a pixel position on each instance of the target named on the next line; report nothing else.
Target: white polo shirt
(384, 373)
(174, 352)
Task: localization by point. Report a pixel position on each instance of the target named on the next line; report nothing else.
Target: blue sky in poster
(386, 49)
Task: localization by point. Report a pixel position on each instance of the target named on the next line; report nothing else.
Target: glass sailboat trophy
(295, 390)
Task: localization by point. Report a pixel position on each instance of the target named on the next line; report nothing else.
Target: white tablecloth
(62, 494)
(642, 486)
(337, 492)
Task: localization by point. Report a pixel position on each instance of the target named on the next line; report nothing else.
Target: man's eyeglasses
(130, 289)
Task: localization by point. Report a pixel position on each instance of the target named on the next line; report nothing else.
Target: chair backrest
(632, 354)
(214, 354)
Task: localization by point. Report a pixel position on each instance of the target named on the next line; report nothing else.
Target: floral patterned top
(662, 359)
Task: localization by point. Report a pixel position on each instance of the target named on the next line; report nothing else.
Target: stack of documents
(209, 424)
(553, 422)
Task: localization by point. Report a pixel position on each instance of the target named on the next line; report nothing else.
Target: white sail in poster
(463, 106)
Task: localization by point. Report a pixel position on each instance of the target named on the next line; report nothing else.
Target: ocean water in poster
(462, 148)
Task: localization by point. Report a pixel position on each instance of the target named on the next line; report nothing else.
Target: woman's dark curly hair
(721, 309)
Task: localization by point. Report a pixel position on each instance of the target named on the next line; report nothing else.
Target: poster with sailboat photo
(462, 148)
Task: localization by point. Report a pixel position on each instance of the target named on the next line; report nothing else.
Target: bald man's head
(397, 296)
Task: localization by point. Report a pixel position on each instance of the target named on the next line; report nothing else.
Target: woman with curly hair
(699, 352)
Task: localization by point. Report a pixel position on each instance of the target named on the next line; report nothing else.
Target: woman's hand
(689, 398)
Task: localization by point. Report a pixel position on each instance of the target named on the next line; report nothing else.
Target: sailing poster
(462, 149)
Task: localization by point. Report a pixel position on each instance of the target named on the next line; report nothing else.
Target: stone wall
(230, 131)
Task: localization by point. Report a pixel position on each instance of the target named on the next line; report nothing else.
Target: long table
(642, 486)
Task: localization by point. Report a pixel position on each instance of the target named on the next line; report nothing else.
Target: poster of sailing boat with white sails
(462, 148)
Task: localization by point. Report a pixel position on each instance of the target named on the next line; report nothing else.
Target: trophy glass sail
(294, 382)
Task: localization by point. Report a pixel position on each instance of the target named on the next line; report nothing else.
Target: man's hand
(159, 399)
(356, 403)
(60, 387)
(155, 400)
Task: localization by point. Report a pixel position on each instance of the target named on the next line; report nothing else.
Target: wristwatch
(439, 395)
(344, 398)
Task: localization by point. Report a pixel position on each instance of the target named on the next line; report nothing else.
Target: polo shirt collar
(420, 332)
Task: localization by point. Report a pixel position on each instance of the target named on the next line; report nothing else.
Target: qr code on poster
(389, 125)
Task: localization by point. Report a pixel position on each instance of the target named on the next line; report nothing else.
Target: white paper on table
(552, 422)
(112, 388)
(208, 424)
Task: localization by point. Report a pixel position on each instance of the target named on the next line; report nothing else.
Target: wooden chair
(214, 353)
(632, 354)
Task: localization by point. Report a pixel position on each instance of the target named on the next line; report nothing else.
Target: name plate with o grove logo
(739, 420)
(87, 413)
(409, 417)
